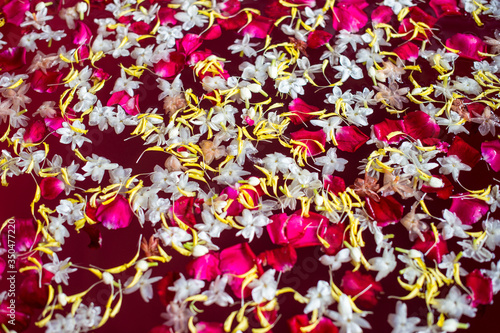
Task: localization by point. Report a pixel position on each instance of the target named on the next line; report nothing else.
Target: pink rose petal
(51, 187)
(334, 184)
(46, 82)
(35, 132)
(129, 104)
(297, 322)
(354, 283)
(318, 38)
(419, 125)
(115, 215)
(315, 141)
(350, 18)
(445, 7)
(386, 127)
(467, 45)
(468, 210)
(387, 211)
(429, 247)
(259, 27)
(481, 287)
(490, 150)
(465, 152)
(407, 51)
(82, 34)
(204, 268)
(303, 231)
(350, 138)
(382, 14)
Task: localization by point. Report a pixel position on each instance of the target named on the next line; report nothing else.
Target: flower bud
(142, 265)
(61, 298)
(436, 182)
(318, 200)
(200, 250)
(415, 254)
(254, 181)
(245, 93)
(107, 278)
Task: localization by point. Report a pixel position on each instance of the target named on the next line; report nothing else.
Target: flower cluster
(236, 140)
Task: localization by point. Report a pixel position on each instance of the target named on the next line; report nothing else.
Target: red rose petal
(350, 138)
(387, 211)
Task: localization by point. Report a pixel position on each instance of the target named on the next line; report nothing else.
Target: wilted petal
(386, 211)
(468, 210)
(350, 138)
(491, 153)
(204, 268)
(467, 45)
(481, 287)
(117, 214)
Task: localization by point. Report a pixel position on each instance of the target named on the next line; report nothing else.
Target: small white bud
(107, 278)
(318, 200)
(436, 182)
(450, 325)
(356, 254)
(245, 93)
(40, 6)
(200, 250)
(81, 7)
(142, 265)
(61, 298)
(415, 254)
(272, 71)
(254, 181)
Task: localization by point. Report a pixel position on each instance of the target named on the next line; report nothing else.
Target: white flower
(291, 85)
(230, 173)
(173, 235)
(71, 211)
(329, 126)
(452, 226)
(265, 287)
(125, 83)
(244, 45)
(331, 162)
(168, 35)
(348, 69)
(170, 89)
(346, 37)
(357, 115)
(144, 285)
(177, 316)
(494, 275)
(467, 85)
(73, 134)
(453, 122)
(87, 316)
(216, 294)
(184, 288)
(57, 229)
(476, 250)
(448, 263)
(191, 18)
(320, 297)
(492, 228)
(452, 164)
(252, 225)
(347, 320)
(397, 5)
(455, 304)
(336, 261)
(383, 265)
(400, 321)
(211, 225)
(60, 269)
(96, 166)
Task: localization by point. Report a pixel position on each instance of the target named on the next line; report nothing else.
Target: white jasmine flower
(320, 297)
(397, 5)
(216, 294)
(144, 285)
(383, 265)
(96, 166)
(455, 304)
(252, 224)
(452, 164)
(336, 261)
(452, 226)
(492, 228)
(331, 162)
(348, 69)
(57, 229)
(291, 85)
(230, 173)
(265, 287)
(467, 85)
(73, 134)
(400, 321)
(184, 288)
(60, 269)
(347, 320)
(191, 18)
(244, 45)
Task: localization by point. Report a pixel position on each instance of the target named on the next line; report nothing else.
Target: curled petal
(491, 153)
(386, 211)
(315, 141)
(481, 287)
(468, 46)
(386, 127)
(419, 125)
(382, 14)
(465, 152)
(204, 268)
(318, 38)
(35, 133)
(301, 111)
(82, 34)
(276, 229)
(334, 184)
(432, 250)
(169, 69)
(115, 215)
(14, 11)
(167, 16)
(350, 18)
(407, 51)
(350, 138)
(468, 210)
(51, 187)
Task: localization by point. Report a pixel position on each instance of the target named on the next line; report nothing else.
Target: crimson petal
(129, 104)
(334, 184)
(354, 283)
(465, 152)
(281, 259)
(468, 46)
(205, 267)
(259, 27)
(350, 138)
(420, 125)
(445, 7)
(433, 250)
(386, 127)
(46, 82)
(297, 322)
(318, 38)
(51, 187)
(407, 51)
(12, 58)
(481, 287)
(301, 111)
(387, 211)
(468, 210)
(311, 139)
(115, 215)
(382, 14)
(441, 192)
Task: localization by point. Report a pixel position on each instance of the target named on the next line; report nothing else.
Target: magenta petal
(334, 184)
(407, 51)
(382, 14)
(26, 235)
(204, 268)
(31, 293)
(167, 16)
(387, 211)
(318, 38)
(419, 125)
(189, 43)
(12, 58)
(82, 34)
(431, 249)
(297, 322)
(350, 138)
(35, 133)
(15, 10)
(259, 27)
(350, 18)
(445, 7)
(116, 214)
(468, 210)
(21, 316)
(481, 287)
(303, 231)
(129, 104)
(276, 229)
(311, 140)
(160, 329)
(491, 153)
(214, 32)
(465, 152)
(185, 209)
(169, 69)
(386, 127)
(46, 82)
(51, 187)
(468, 45)
(281, 259)
(53, 124)
(354, 283)
(301, 111)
